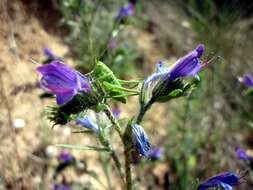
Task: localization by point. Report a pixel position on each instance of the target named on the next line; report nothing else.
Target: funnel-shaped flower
(88, 123)
(247, 80)
(189, 65)
(241, 154)
(224, 180)
(161, 83)
(140, 140)
(61, 80)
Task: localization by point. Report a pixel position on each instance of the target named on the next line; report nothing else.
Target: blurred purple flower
(155, 153)
(247, 80)
(112, 44)
(140, 140)
(65, 156)
(116, 112)
(241, 154)
(60, 187)
(88, 123)
(126, 11)
(224, 180)
(48, 53)
(61, 80)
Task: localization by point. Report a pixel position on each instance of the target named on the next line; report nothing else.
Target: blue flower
(247, 80)
(61, 80)
(88, 123)
(140, 140)
(155, 153)
(241, 154)
(224, 180)
(60, 187)
(165, 80)
(125, 11)
(65, 156)
(189, 65)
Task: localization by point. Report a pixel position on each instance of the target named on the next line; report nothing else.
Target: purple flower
(189, 65)
(247, 80)
(60, 187)
(48, 53)
(112, 44)
(241, 154)
(88, 123)
(65, 156)
(224, 180)
(140, 140)
(116, 112)
(155, 153)
(164, 80)
(61, 80)
(125, 11)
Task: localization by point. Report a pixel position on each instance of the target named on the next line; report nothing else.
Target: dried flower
(64, 82)
(241, 154)
(140, 140)
(224, 180)
(247, 80)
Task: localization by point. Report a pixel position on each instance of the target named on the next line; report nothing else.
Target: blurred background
(198, 135)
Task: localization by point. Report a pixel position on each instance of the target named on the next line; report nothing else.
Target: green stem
(128, 166)
(118, 165)
(142, 112)
(114, 121)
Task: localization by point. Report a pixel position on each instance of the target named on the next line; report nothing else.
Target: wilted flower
(65, 156)
(140, 140)
(88, 123)
(125, 11)
(61, 80)
(247, 80)
(60, 187)
(155, 153)
(241, 154)
(224, 180)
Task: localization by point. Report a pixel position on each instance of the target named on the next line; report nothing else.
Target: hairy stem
(128, 173)
(118, 165)
(114, 121)
(142, 112)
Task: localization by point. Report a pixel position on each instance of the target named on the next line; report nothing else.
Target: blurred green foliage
(95, 33)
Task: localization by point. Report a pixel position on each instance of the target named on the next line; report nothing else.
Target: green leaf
(81, 147)
(175, 93)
